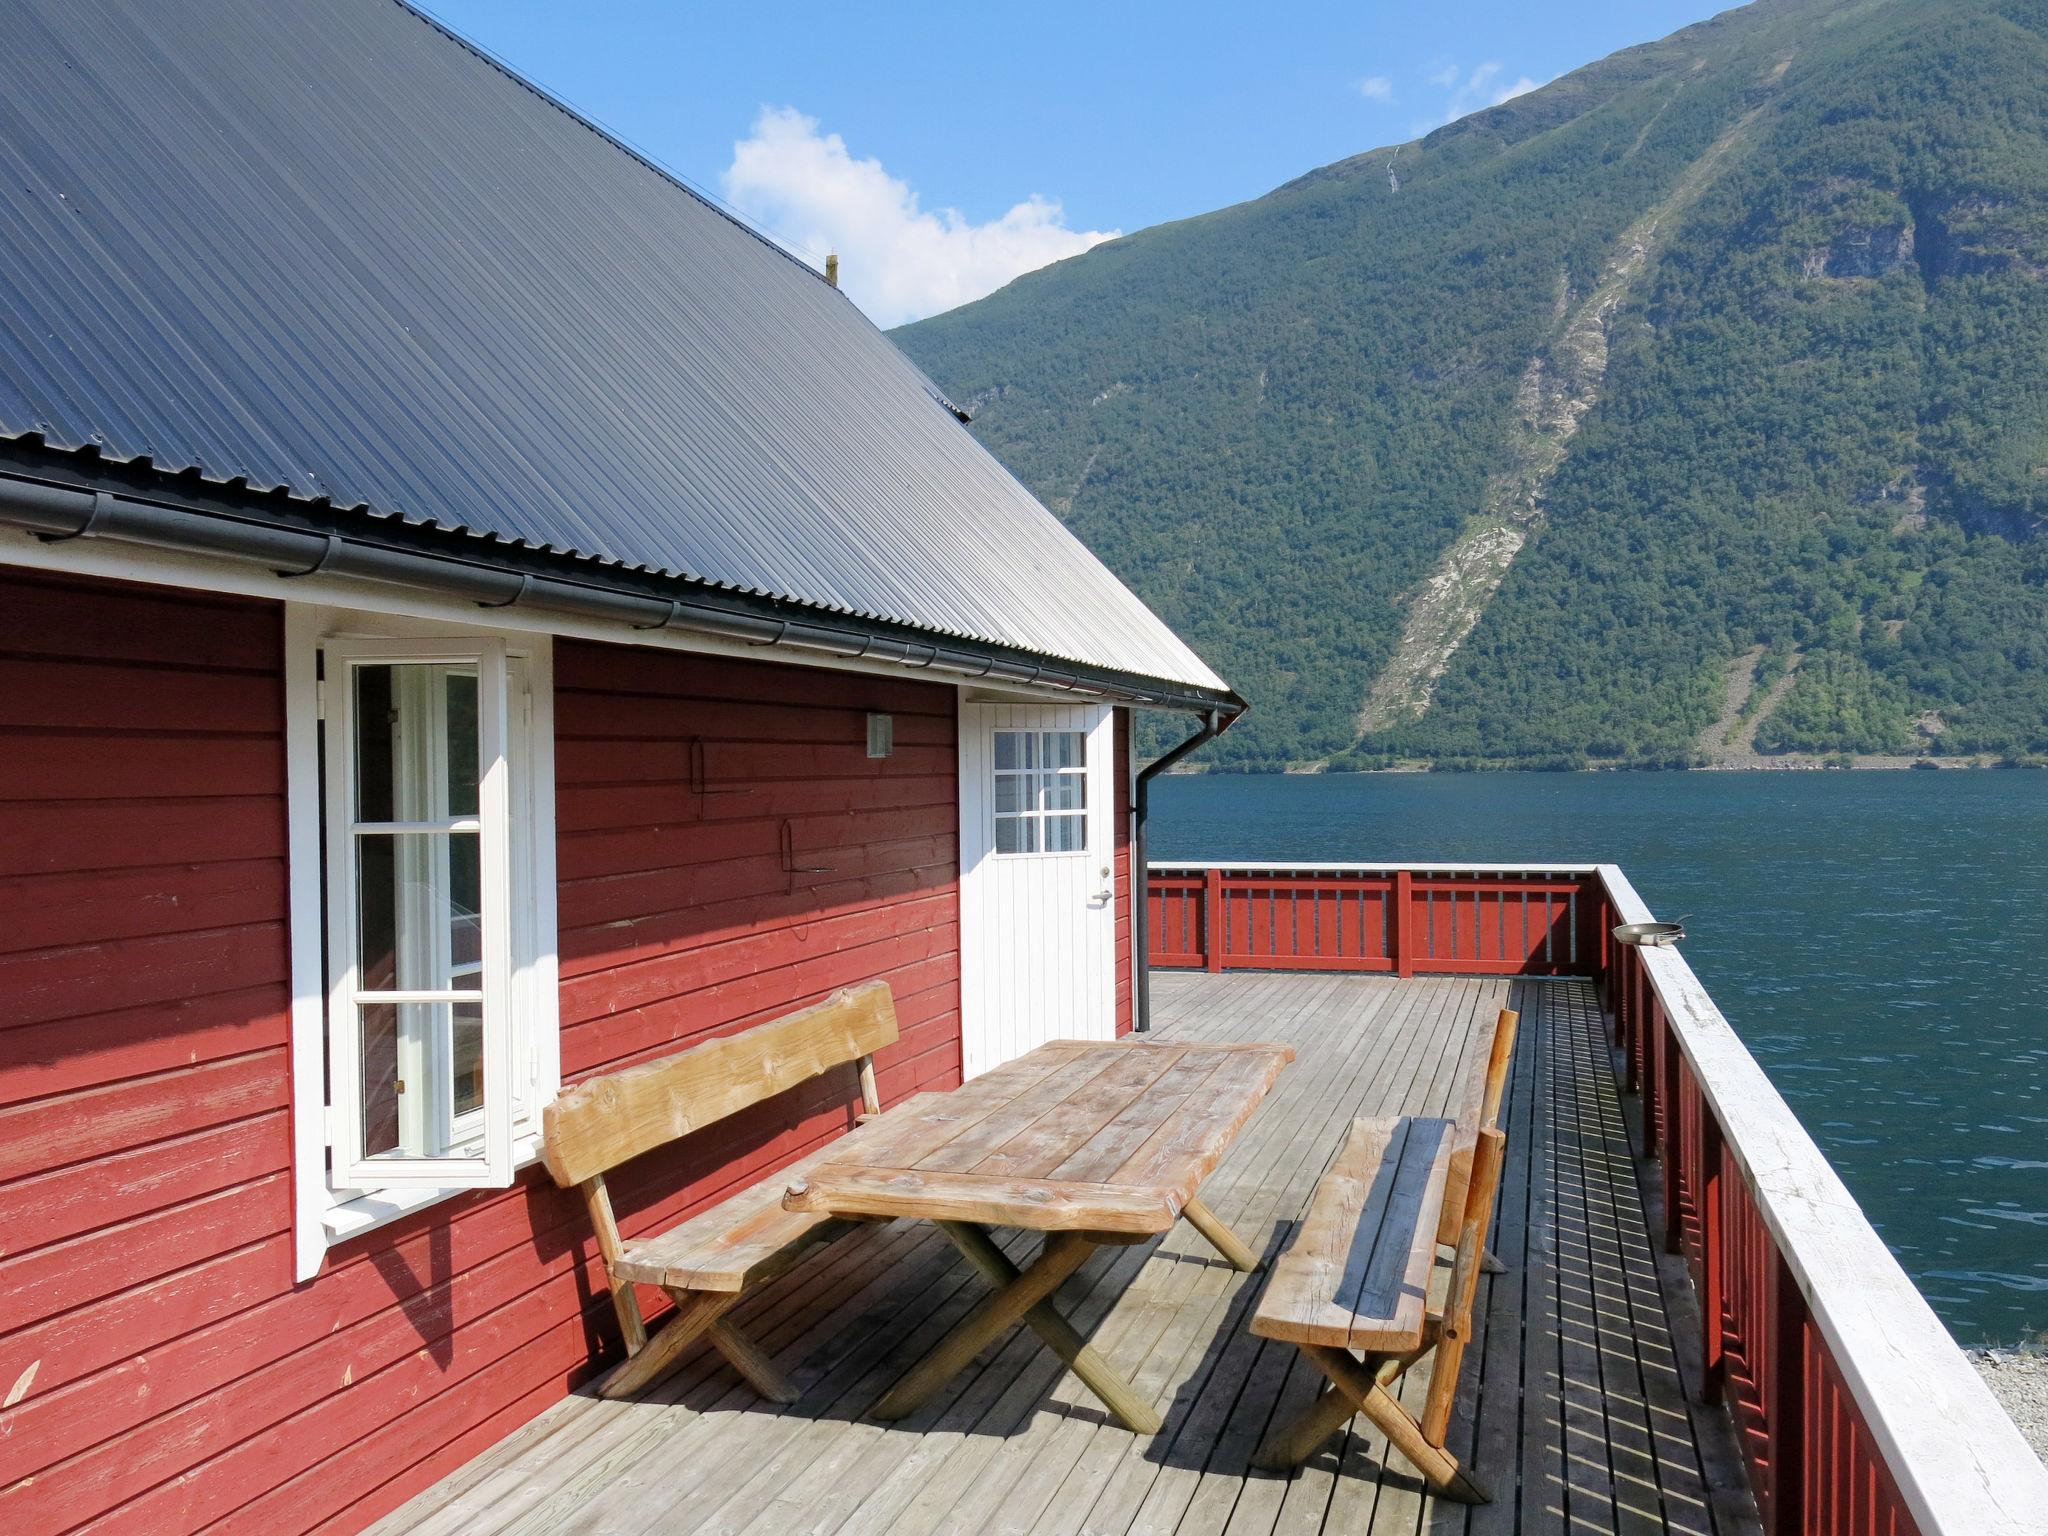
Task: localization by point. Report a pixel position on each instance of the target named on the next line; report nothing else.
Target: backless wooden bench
(1356, 1277)
(708, 1262)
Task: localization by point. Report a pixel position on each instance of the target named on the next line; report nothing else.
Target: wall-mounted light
(881, 735)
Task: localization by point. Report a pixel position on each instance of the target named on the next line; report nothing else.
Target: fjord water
(1877, 939)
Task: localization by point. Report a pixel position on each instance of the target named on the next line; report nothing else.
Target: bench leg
(1023, 1295)
(1292, 1443)
(1357, 1388)
(1361, 1385)
(1221, 1238)
(696, 1312)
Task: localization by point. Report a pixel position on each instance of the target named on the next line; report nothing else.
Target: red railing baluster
(1640, 1025)
(1786, 1420)
(1403, 934)
(1215, 921)
(1713, 1287)
(1676, 1187)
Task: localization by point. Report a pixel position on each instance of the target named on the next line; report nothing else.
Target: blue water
(1876, 938)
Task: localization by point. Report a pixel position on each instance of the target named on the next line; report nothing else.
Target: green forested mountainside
(1735, 340)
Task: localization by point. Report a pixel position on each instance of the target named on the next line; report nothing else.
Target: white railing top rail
(1961, 1464)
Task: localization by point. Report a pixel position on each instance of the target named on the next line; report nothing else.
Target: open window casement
(422, 1074)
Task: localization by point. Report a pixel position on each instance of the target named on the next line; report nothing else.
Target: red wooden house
(471, 614)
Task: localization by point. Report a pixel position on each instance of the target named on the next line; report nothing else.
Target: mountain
(1697, 400)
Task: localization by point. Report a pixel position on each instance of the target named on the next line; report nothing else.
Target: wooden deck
(1575, 1410)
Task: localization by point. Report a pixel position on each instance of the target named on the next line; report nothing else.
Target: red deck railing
(1493, 922)
(1856, 1413)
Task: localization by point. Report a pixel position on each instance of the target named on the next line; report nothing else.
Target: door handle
(1103, 896)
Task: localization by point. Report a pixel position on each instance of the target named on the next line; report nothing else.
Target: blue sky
(942, 149)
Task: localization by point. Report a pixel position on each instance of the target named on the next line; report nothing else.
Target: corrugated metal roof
(328, 247)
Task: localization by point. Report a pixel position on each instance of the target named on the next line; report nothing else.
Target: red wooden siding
(679, 782)
(1122, 883)
(168, 1373)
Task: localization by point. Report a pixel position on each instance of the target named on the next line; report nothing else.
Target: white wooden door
(1037, 888)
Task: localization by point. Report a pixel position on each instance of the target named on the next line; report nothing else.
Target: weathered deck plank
(1572, 1410)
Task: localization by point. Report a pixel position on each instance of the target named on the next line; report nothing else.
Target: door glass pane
(418, 927)
(466, 1052)
(1016, 834)
(1067, 792)
(459, 694)
(1009, 793)
(408, 1051)
(1066, 834)
(379, 1036)
(1009, 752)
(376, 730)
(416, 741)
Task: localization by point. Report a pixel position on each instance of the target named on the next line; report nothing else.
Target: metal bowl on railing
(1650, 935)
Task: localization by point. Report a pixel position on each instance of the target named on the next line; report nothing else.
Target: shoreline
(1867, 763)
(2019, 1380)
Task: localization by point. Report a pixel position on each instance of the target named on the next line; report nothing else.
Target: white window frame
(522, 1035)
(1037, 815)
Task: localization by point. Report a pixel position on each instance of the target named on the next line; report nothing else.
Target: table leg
(1022, 1295)
(1221, 1238)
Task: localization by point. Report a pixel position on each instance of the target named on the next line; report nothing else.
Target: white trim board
(319, 1220)
(139, 563)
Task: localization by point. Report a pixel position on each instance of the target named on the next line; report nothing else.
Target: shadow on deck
(1578, 1408)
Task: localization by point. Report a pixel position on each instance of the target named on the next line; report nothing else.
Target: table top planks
(1113, 1137)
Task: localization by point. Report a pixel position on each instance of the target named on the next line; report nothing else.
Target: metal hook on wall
(699, 779)
(786, 836)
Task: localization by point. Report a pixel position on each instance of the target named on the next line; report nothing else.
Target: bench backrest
(1468, 1216)
(1478, 1109)
(1486, 1078)
(610, 1119)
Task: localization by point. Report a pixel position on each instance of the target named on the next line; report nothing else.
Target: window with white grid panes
(1041, 792)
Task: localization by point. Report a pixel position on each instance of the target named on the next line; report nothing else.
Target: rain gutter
(58, 512)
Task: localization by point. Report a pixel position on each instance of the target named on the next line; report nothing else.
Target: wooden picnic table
(1088, 1141)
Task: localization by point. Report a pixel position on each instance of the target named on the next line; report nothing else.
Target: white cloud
(1375, 88)
(898, 260)
(1474, 92)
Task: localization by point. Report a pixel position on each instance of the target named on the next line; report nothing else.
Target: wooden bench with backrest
(708, 1262)
(1357, 1277)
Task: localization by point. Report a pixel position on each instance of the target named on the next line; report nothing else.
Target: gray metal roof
(328, 247)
